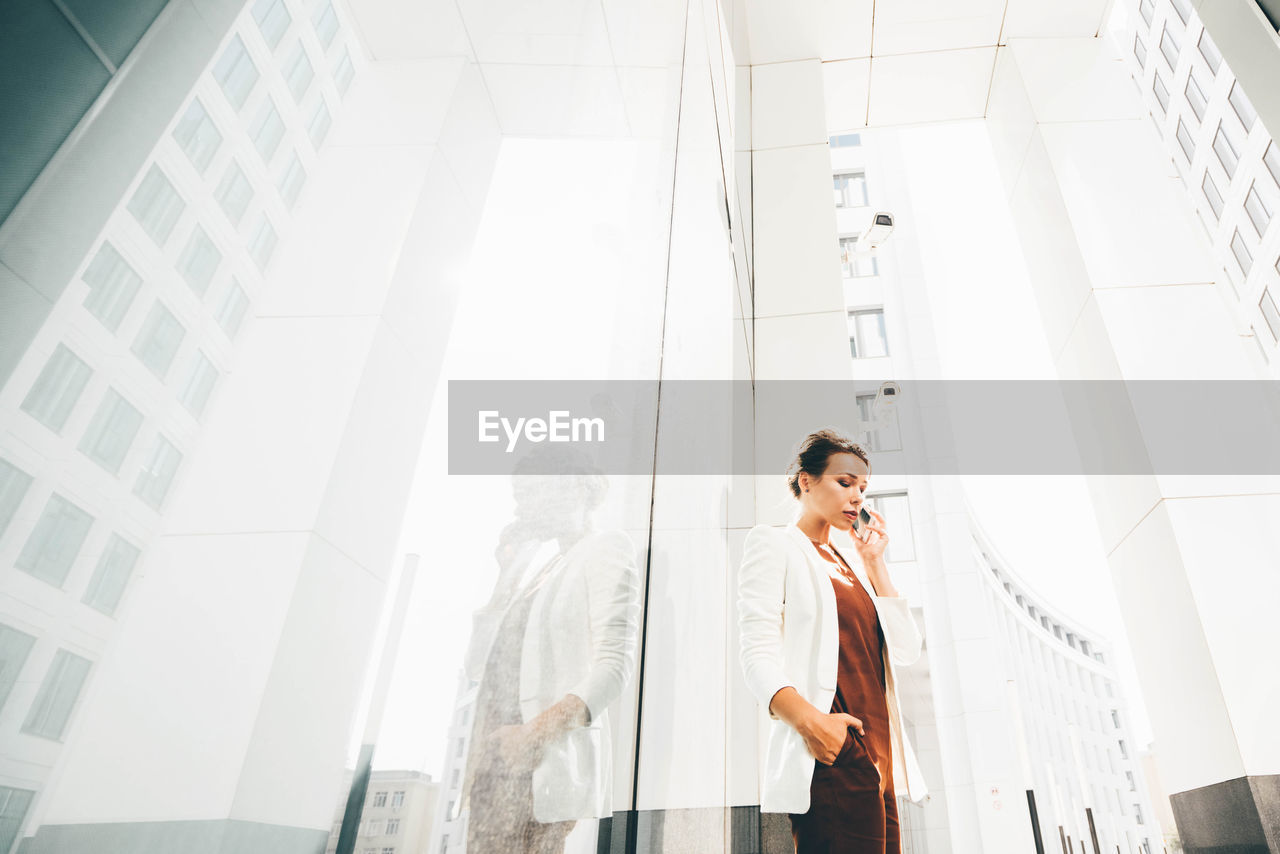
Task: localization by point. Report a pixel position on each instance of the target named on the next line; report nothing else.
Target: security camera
(878, 231)
(887, 395)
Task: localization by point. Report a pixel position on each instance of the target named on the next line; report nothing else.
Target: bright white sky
(545, 196)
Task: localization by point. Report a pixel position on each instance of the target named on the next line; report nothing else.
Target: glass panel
(267, 130)
(15, 646)
(850, 189)
(156, 476)
(57, 388)
(1195, 93)
(263, 244)
(319, 124)
(1241, 252)
(199, 384)
(326, 21)
(14, 804)
(845, 140)
(235, 303)
(868, 338)
(156, 205)
(1140, 51)
(1169, 47)
(234, 193)
(198, 135)
(14, 483)
(236, 73)
(112, 286)
(1209, 51)
(1242, 106)
(1226, 151)
(1256, 208)
(273, 20)
(1271, 157)
(344, 73)
(55, 541)
(854, 265)
(1185, 141)
(1270, 313)
(1183, 9)
(291, 181)
(1211, 194)
(57, 696)
(1162, 92)
(111, 576)
(158, 340)
(1147, 8)
(111, 432)
(298, 72)
(896, 510)
(199, 261)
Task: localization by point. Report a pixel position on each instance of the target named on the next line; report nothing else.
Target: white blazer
(581, 638)
(789, 634)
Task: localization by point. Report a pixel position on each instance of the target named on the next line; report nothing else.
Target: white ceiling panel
(538, 32)
(926, 87)
(845, 89)
(645, 34)
(551, 100)
(910, 26)
(846, 29)
(1044, 19)
(391, 30)
(786, 104)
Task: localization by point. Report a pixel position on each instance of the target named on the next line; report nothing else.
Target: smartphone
(863, 518)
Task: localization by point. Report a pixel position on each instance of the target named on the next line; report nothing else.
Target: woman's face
(551, 505)
(837, 495)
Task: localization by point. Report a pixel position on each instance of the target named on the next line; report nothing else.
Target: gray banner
(926, 427)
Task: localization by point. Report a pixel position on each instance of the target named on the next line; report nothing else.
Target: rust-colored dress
(853, 809)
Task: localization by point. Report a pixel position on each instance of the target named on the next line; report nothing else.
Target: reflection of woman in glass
(820, 635)
(552, 648)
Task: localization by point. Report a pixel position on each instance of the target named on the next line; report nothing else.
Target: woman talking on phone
(821, 628)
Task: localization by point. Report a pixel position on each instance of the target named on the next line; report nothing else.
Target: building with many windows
(399, 808)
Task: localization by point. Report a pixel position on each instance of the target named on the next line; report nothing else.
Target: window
(850, 189)
(1133, 784)
(1185, 141)
(15, 646)
(866, 334)
(853, 264)
(1162, 92)
(57, 696)
(1124, 752)
(1084, 647)
(267, 130)
(344, 73)
(57, 388)
(298, 72)
(1241, 252)
(1044, 622)
(1271, 157)
(234, 193)
(234, 306)
(397, 800)
(380, 799)
(14, 804)
(1139, 51)
(111, 432)
(153, 482)
(1227, 151)
(199, 261)
(374, 828)
(1243, 108)
(1115, 718)
(156, 205)
(236, 73)
(273, 20)
(112, 286)
(14, 483)
(111, 575)
(845, 140)
(1057, 631)
(1147, 8)
(1209, 51)
(319, 123)
(263, 243)
(1195, 93)
(393, 826)
(55, 541)
(197, 135)
(886, 436)
(896, 510)
(462, 746)
(388, 851)
(1259, 213)
(158, 340)
(455, 779)
(1211, 194)
(198, 384)
(1267, 305)
(291, 181)
(1169, 48)
(326, 21)
(1137, 813)
(1183, 10)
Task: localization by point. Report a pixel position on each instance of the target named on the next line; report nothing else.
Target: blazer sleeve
(761, 591)
(900, 630)
(613, 604)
